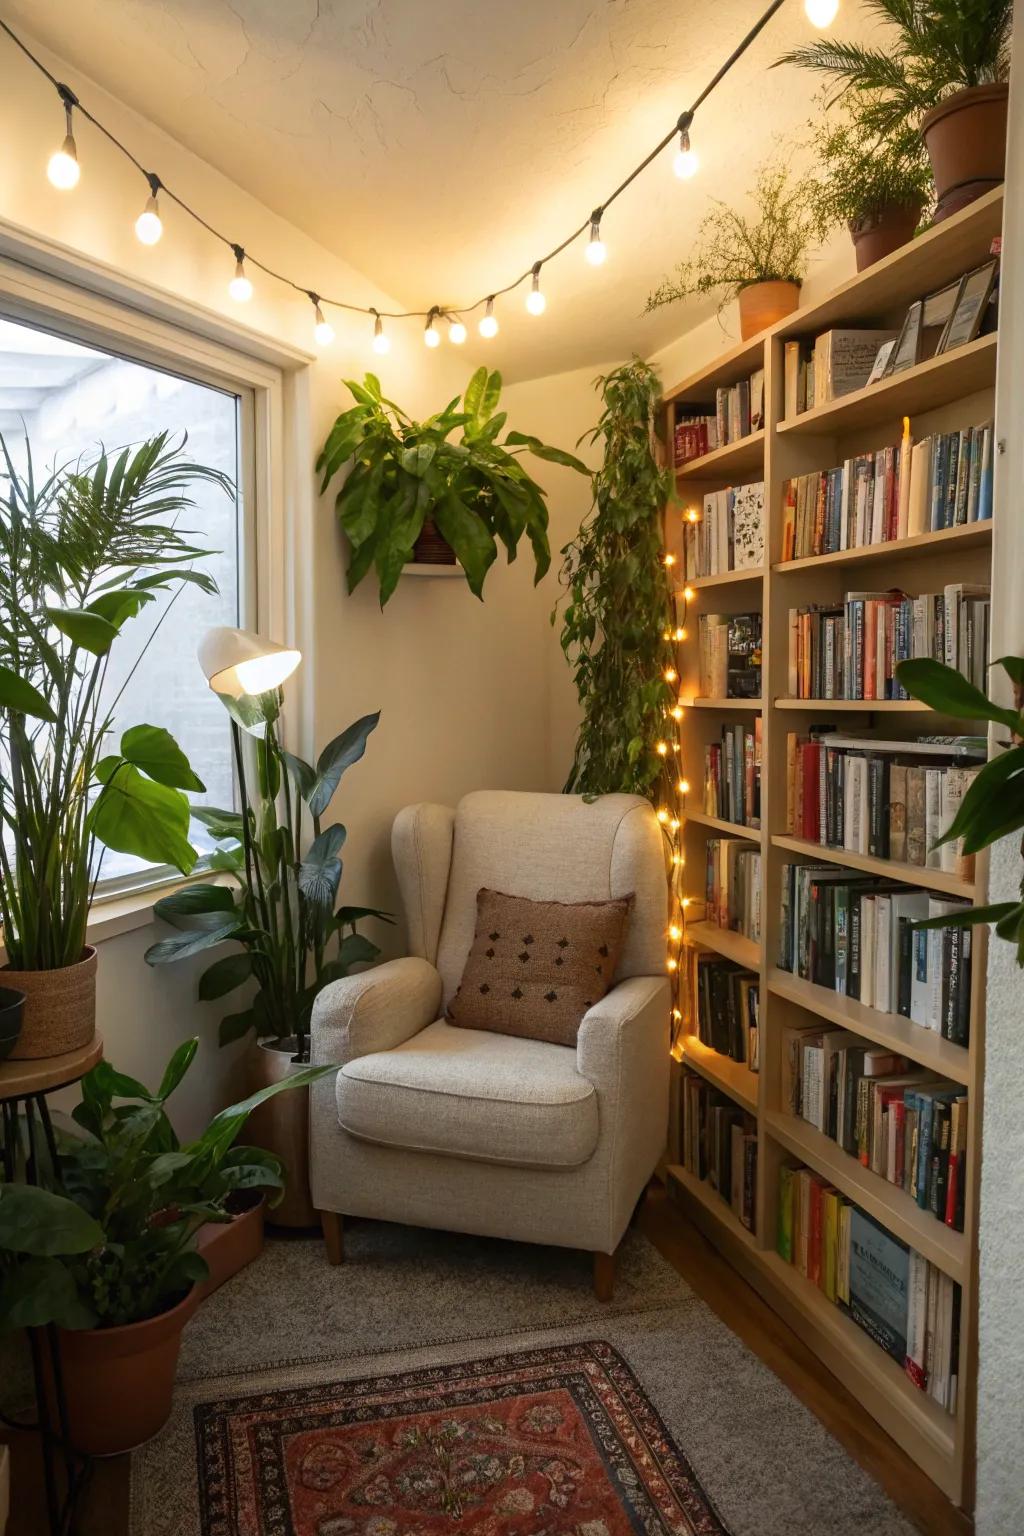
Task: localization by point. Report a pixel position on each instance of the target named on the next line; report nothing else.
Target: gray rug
(407, 1298)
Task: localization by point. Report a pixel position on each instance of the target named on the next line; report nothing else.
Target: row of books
(729, 655)
(738, 410)
(854, 934)
(732, 886)
(727, 1008)
(729, 535)
(906, 1305)
(732, 775)
(719, 1145)
(903, 1123)
(892, 800)
(832, 365)
(944, 481)
(851, 650)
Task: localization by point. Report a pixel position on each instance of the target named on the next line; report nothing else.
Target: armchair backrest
(545, 847)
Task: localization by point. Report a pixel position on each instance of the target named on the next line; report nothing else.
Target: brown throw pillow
(537, 966)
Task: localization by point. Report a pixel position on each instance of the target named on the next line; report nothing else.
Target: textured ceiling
(440, 146)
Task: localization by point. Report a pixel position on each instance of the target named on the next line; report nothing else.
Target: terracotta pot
(762, 304)
(431, 548)
(119, 1381)
(879, 234)
(965, 137)
(281, 1126)
(12, 1008)
(60, 1007)
(228, 1246)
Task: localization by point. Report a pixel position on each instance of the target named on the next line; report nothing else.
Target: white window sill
(124, 913)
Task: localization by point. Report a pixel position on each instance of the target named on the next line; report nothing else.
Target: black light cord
(71, 101)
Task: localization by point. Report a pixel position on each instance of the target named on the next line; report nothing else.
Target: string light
(431, 335)
(821, 13)
(670, 675)
(670, 559)
(488, 326)
(676, 712)
(675, 933)
(381, 344)
(663, 815)
(63, 169)
(684, 786)
(686, 164)
(240, 287)
(323, 331)
(595, 252)
(456, 332)
(680, 635)
(692, 515)
(149, 226)
(536, 303)
(688, 594)
(661, 747)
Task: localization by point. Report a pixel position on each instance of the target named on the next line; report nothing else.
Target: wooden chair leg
(330, 1221)
(604, 1276)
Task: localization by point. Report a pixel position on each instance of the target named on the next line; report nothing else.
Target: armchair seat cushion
(472, 1094)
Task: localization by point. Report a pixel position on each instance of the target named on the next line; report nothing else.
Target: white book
(847, 501)
(906, 906)
(867, 951)
(919, 499)
(955, 784)
(812, 1097)
(917, 1313)
(883, 953)
(933, 825)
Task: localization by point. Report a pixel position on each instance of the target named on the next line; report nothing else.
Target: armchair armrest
(628, 1025)
(374, 1011)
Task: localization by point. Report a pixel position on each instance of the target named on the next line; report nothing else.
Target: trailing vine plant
(621, 624)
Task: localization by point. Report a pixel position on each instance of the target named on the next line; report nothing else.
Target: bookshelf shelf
(889, 869)
(725, 942)
(967, 536)
(939, 381)
(959, 388)
(738, 458)
(923, 1046)
(887, 1203)
(731, 828)
(732, 1077)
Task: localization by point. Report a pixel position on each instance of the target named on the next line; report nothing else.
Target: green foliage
(862, 173)
(114, 1240)
(930, 49)
(81, 553)
(476, 491)
(287, 878)
(993, 806)
(735, 250)
(619, 604)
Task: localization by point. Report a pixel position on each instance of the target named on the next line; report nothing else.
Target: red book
(809, 765)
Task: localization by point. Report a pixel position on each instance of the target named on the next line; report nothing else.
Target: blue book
(879, 1273)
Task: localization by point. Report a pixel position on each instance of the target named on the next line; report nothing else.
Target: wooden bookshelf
(944, 393)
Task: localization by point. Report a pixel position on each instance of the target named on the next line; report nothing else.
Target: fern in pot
(879, 187)
(82, 552)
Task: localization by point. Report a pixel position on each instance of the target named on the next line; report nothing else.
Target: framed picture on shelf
(962, 325)
(935, 317)
(907, 350)
(882, 357)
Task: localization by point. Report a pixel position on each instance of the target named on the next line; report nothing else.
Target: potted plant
(943, 69)
(758, 259)
(279, 905)
(115, 1264)
(411, 482)
(82, 551)
(878, 187)
(12, 1009)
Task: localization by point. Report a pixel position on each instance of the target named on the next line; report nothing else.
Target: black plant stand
(28, 1151)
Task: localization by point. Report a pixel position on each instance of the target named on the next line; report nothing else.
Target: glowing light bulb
(675, 933)
(240, 288)
(685, 903)
(663, 815)
(676, 712)
(684, 786)
(456, 332)
(675, 746)
(674, 824)
(536, 303)
(677, 859)
(686, 163)
(63, 170)
(381, 343)
(688, 594)
(431, 335)
(670, 560)
(681, 633)
(323, 330)
(596, 253)
(671, 964)
(821, 13)
(661, 748)
(149, 226)
(676, 1014)
(693, 516)
(670, 674)
(488, 326)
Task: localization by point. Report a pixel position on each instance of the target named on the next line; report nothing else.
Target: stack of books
(729, 656)
(732, 886)
(945, 481)
(728, 1002)
(834, 364)
(719, 1145)
(855, 935)
(851, 650)
(906, 1305)
(889, 799)
(905, 1124)
(730, 534)
(737, 412)
(732, 775)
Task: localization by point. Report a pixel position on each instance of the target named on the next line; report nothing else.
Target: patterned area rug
(549, 1440)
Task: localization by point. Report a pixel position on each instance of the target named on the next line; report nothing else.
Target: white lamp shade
(237, 662)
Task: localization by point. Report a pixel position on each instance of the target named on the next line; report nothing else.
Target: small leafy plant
(113, 1241)
(861, 175)
(993, 806)
(474, 488)
(735, 250)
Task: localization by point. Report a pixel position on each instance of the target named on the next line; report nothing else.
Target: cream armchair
(438, 1126)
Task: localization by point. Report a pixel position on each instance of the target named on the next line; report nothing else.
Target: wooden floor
(104, 1507)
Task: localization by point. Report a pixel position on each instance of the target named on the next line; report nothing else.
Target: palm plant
(940, 46)
(863, 174)
(81, 553)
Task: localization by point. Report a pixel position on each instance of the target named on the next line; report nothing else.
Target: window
(69, 400)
